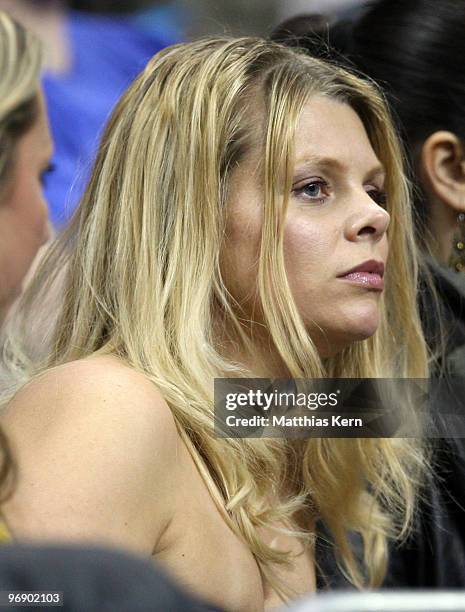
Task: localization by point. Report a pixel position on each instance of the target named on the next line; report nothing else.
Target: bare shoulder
(95, 376)
(92, 389)
(97, 449)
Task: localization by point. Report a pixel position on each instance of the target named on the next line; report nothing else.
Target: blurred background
(208, 17)
(251, 17)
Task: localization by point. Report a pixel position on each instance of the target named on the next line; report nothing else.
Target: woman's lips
(370, 280)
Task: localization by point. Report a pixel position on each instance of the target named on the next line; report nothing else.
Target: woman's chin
(336, 339)
(363, 328)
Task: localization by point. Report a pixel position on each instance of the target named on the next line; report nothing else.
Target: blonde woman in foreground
(236, 183)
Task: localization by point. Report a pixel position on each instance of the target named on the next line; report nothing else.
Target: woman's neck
(47, 20)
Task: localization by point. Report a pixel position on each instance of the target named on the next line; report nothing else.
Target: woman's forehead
(330, 132)
(329, 135)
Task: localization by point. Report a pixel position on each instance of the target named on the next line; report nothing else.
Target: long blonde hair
(20, 65)
(140, 273)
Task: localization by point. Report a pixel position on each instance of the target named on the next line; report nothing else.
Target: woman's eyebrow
(331, 163)
(316, 161)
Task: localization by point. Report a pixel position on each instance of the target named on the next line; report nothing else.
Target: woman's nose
(368, 220)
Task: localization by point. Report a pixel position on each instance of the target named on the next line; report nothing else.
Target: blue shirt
(108, 52)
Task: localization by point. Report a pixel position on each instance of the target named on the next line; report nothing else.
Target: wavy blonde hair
(20, 64)
(139, 271)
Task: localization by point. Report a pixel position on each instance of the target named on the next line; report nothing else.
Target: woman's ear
(443, 167)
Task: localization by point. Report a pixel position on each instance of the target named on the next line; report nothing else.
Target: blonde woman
(25, 151)
(237, 185)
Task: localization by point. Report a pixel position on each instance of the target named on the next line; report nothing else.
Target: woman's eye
(45, 173)
(315, 191)
(378, 196)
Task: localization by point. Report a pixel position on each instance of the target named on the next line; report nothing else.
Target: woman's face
(24, 226)
(335, 222)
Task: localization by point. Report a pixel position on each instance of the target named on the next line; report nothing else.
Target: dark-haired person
(412, 49)
(94, 49)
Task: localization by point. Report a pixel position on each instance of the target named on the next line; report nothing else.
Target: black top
(434, 555)
(92, 580)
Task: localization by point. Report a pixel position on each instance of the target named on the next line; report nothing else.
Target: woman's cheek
(307, 248)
